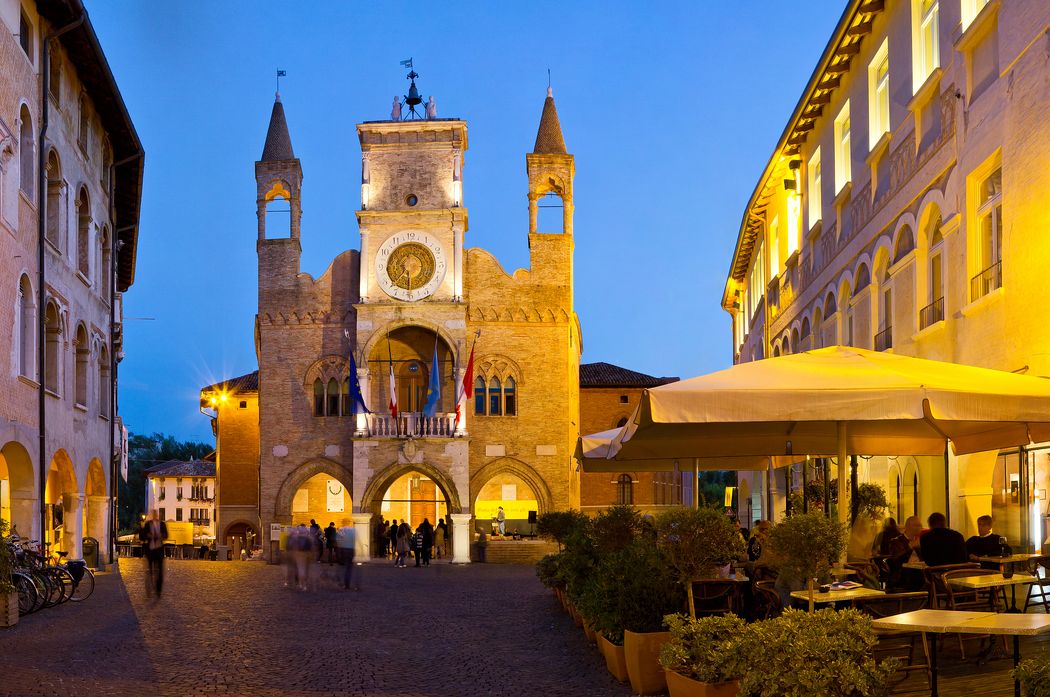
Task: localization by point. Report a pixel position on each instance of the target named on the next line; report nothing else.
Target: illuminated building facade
(904, 209)
(290, 443)
(70, 184)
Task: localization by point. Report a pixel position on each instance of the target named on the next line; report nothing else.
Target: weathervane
(280, 74)
(412, 99)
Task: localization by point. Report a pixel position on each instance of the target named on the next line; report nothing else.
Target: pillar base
(363, 536)
(461, 537)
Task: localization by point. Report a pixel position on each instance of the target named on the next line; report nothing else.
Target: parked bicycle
(44, 580)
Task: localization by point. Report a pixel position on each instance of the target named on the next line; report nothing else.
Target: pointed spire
(278, 142)
(549, 139)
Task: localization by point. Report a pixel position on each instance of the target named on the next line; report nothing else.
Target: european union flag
(433, 387)
(356, 398)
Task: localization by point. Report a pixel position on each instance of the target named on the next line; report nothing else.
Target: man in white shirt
(346, 541)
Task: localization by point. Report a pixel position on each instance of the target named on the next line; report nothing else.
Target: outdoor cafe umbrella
(835, 401)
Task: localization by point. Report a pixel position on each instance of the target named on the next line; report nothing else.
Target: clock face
(410, 265)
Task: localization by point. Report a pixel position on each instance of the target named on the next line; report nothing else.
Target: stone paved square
(231, 629)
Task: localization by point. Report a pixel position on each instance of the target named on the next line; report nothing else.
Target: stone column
(363, 530)
(76, 516)
(461, 537)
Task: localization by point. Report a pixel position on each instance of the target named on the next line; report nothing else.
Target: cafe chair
(767, 601)
(898, 643)
(969, 599)
(1039, 592)
(715, 597)
(935, 582)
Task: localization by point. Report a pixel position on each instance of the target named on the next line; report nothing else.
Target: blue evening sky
(671, 109)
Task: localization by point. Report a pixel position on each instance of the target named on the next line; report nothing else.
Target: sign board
(275, 531)
(334, 494)
(729, 496)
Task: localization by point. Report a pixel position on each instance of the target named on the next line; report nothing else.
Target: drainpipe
(41, 209)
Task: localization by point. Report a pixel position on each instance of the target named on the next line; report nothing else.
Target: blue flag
(356, 398)
(434, 387)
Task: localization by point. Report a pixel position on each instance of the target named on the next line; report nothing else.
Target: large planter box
(587, 631)
(680, 686)
(615, 661)
(8, 609)
(642, 653)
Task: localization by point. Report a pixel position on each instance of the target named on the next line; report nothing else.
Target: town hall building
(293, 443)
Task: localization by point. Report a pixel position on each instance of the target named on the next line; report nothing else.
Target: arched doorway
(414, 497)
(240, 533)
(517, 499)
(96, 509)
(63, 506)
(17, 488)
(322, 497)
(410, 350)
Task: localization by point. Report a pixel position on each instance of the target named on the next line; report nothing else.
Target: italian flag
(393, 392)
(465, 389)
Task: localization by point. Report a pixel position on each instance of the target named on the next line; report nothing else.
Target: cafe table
(1010, 560)
(843, 573)
(917, 565)
(986, 581)
(835, 596)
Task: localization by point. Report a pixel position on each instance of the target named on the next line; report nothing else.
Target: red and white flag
(393, 392)
(466, 389)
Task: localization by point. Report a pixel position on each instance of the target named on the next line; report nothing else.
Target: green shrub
(561, 525)
(696, 542)
(547, 570)
(7, 559)
(615, 528)
(825, 653)
(1034, 676)
(705, 649)
(871, 501)
(805, 546)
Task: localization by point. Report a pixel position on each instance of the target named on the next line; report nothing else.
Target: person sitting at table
(941, 545)
(758, 539)
(987, 544)
(903, 549)
(888, 538)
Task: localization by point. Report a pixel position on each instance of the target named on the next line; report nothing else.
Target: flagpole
(393, 385)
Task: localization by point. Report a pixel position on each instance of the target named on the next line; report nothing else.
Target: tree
(145, 452)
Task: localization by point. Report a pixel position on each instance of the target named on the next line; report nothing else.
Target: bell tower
(551, 170)
(278, 181)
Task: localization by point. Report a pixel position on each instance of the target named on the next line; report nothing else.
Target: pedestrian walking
(346, 540)
(392, 534)
(439, 539)
(403, 542)
(330, 534)
(153, 534)
(317, 536)
(417, 544)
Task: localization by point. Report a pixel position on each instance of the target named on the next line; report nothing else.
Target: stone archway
(64, 528)
(372, 499)
(18, 501)
(282, 507)
(96, 508)
(507, 465)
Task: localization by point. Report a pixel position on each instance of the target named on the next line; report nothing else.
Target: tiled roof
(278, 142)
(181, 468)
(241, 383)
(549, 139)
(609, 375)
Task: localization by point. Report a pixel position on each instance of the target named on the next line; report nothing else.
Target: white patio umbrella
(835, 401)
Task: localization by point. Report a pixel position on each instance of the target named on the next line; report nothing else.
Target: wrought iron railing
(932, 313)
(985, 282)
(412, 424)
(884, 339)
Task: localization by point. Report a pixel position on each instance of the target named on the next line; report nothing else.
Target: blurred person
(330, 534)
(392, 534)
(758, 540)
(153, 534)
(888, 537)
(382, 538)
(940, 544)
(439, 539)
(318, 538)
(346, 541)
(501, 521)
(404, 534)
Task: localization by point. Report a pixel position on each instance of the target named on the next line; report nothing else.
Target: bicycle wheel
(41, 585)
(64, 580)
(85, 587)
(27, 595)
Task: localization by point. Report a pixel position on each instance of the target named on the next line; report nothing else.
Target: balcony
(884, 339)
(985, 282)
(931, 314)
(411, 424)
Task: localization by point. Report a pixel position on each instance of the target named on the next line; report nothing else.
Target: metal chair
(767, 601)
(969, 599)
(1039, 592)
(715, 597)
(935, 582)
(898, 643)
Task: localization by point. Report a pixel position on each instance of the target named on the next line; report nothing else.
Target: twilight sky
(671, 109)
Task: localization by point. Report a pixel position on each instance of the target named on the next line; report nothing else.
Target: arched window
(905, 243)
(624, 490)
(495, 406)
(863, 279)
(510, 398)
(318, 397)
(105, 388)
(830, 306)
(622, 422)
(53, 228)
(550, 214)
(53, 333)
(105, 274)
(805, 329)
(26, 328)
(479, 396)
(332, 408)
(83, 353)
(278, 218)
(26, 180)
(83, 233)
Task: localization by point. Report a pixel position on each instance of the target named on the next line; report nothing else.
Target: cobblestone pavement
(231, 629)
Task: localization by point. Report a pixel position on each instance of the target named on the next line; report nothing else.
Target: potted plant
(703, 658)
(696, 543)
(805, 546)
(1034, 676)
(8, 592)
(801, 654)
